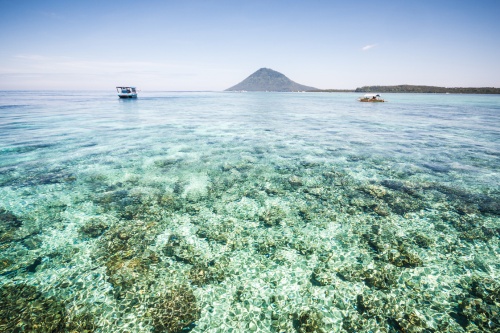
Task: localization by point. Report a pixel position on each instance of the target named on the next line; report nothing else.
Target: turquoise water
(249, 212)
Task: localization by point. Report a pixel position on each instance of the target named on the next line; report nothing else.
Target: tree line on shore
(405, 88)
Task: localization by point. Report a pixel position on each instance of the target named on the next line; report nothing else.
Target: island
(406, 88)
(266, 79)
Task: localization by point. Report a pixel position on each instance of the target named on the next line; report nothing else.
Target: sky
(212, 45)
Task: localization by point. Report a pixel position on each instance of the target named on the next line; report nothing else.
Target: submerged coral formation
(478, 305)
(123, 251)
(24, 309)
(93, 228)
(330, 252)
(174, 310)
(9, 223)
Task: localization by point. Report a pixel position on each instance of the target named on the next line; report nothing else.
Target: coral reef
(9, 223)
(308, 321)
(479, 307)
(24, 309)
(294, 243)
(174, 310)
(122, 249)
(272, 216)
(182, 251)
(203, 273)
(93, 228)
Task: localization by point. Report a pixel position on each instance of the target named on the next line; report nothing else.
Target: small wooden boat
(371, 98)
(126, 92)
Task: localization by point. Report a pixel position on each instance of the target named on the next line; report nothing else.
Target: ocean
(249, 212)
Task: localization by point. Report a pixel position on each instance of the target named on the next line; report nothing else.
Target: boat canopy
(371, 95)
(126, 90)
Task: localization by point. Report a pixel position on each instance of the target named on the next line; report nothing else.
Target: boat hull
(371, 100)
(128, 96)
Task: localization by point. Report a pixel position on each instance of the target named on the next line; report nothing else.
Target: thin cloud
(34, 63)
(368, 47)
(34, 57)
(63, 72)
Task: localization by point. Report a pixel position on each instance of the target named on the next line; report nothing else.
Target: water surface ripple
(249, 212)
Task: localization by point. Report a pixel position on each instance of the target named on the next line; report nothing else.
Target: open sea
(249, 212)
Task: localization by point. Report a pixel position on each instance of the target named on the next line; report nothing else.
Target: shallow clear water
(237, 212)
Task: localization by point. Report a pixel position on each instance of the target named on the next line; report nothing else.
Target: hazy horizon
(213, 45)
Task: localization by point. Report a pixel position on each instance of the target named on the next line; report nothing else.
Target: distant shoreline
(415, 89)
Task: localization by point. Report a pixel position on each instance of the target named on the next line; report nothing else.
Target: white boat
(371, 98)
(126, 92)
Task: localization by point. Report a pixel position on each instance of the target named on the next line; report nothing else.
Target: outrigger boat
(126, 92)
(371, 98)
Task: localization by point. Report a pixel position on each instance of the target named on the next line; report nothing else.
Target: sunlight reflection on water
(268, 212)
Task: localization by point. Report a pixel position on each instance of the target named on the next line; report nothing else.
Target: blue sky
(212, 45)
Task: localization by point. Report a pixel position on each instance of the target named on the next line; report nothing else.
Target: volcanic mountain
(266, 79)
